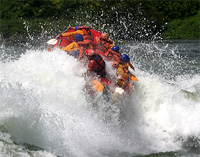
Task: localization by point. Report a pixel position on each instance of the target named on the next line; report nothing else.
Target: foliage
(178, 8)
(122, 19)
(188, 28)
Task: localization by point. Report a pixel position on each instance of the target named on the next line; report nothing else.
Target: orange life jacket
(112, 56)
(103, 45)
(87, 34)
(109, 56)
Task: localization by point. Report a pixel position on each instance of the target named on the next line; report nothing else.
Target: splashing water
(45, 110)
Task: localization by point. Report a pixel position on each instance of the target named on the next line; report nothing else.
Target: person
(123, 72)
(78, 45)
(103, 44)
(116, 49)
(96, 63)
(113, 55)
(85, 31)
(125, 60)
(74, 45)
(75, 54)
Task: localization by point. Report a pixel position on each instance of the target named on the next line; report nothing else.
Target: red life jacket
(87, 34)
(103, 46)
(97, 65)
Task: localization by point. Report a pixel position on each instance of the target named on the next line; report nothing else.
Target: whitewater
(45, 110)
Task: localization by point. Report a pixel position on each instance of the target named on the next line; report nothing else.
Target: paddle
(54, 41)
(133, 77)
(97, 85)
(119, 90)
(131, 86)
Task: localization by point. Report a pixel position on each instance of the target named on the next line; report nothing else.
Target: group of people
(96, 51)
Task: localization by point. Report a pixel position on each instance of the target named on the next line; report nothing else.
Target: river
(45, 111)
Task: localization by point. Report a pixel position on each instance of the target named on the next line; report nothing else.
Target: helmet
(76, 28)
(89, 52)
(78, 37)
(75, 54)
(124, 58)
(104, 36)
(115, 48)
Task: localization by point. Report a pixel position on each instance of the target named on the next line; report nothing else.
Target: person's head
(124, 58)
(76, 28)
(74, 54)
(116, 49)
(115, 64)
(78, 37)
(90, 54)
(104, 36)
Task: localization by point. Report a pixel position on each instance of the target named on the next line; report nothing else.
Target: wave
(43, 103)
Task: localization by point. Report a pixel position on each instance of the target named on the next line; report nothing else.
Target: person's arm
(132, 67)
(116, 58)
(58, 36)
(84, 27)
(70, 27)
(90, 67)
(88, 73)
(81, 51)
(87, 42)
(82, 44)
(116, 55)
(69, 34)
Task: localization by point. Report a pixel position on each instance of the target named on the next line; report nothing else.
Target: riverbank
(188, 28)
(35, 21)
(37, 30)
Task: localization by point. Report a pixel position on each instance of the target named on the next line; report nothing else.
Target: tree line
(124, 19)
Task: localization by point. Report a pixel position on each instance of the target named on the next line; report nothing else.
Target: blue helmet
(78, 37)
(124, 58)
(76, 28)
(75, 54)
(115, 48)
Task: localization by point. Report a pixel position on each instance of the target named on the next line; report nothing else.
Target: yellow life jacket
(71, 47)
(120, 70)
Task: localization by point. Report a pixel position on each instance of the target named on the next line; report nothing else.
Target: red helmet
(89, 52)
